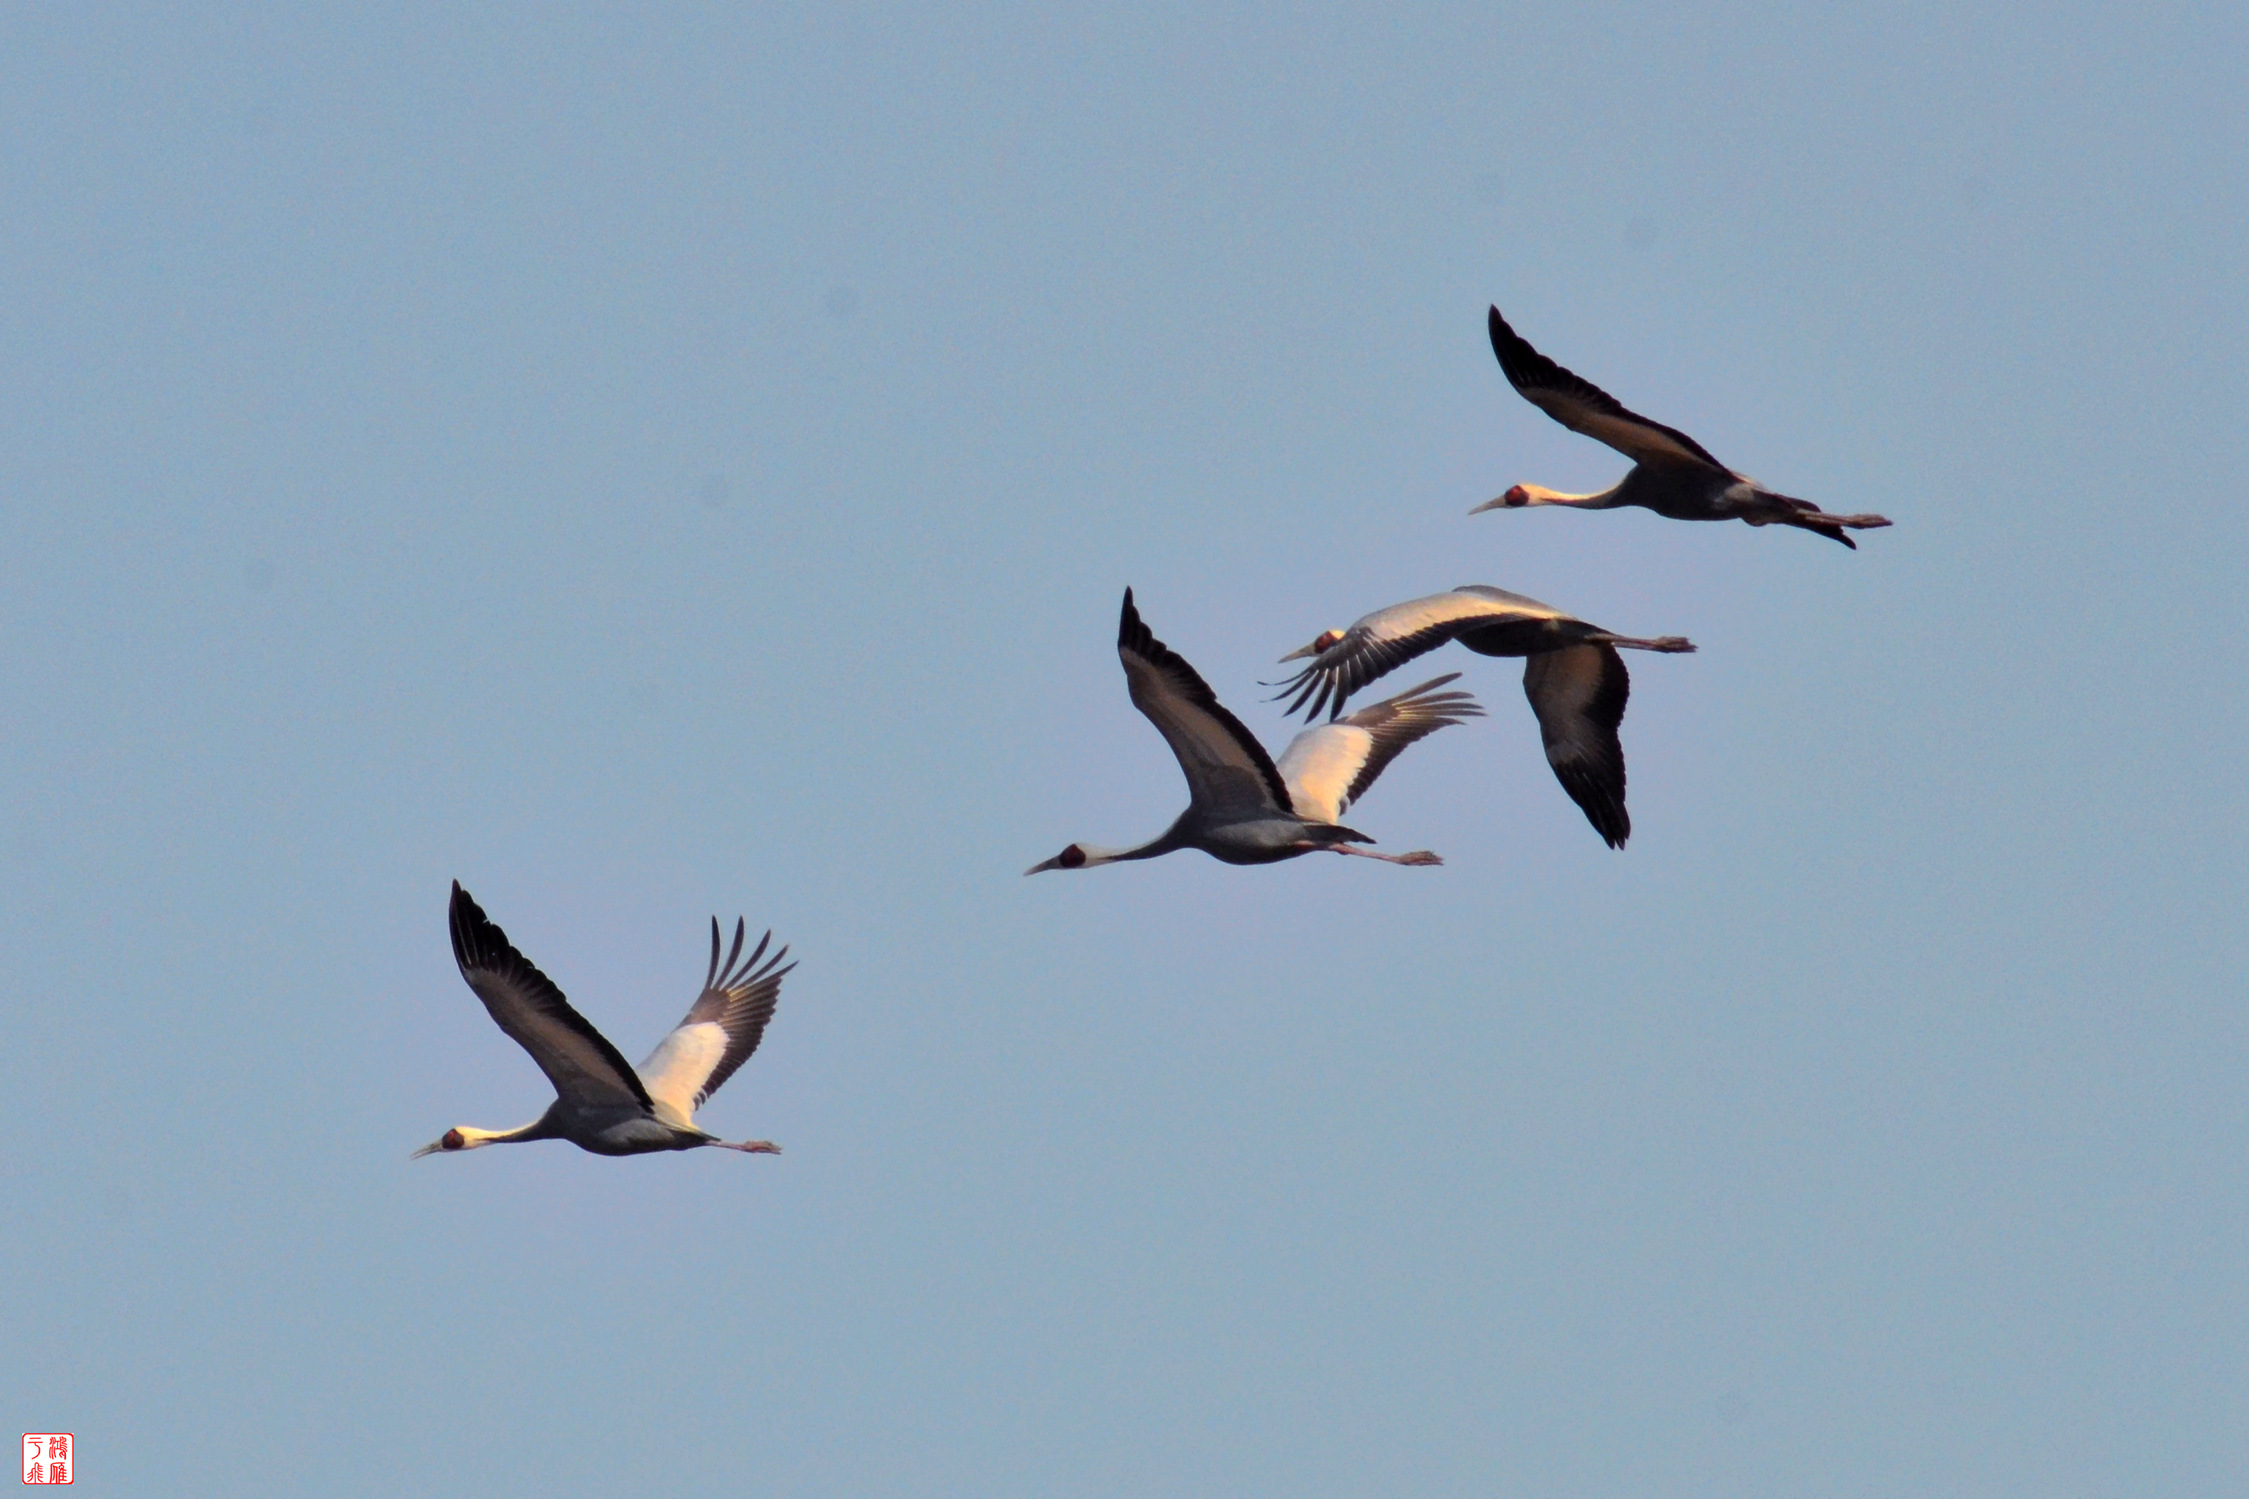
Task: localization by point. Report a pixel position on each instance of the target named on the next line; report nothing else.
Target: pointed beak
(1498, 504)
(432, 1148)
(1045, 864)
(1301, 652)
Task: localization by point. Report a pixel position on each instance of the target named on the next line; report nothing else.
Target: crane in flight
(1671, 473)
(602, 1104)
(1573, 676)
(1242, 808)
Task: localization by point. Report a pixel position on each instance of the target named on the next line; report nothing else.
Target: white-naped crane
(1242, 808)
(1574, 678)
(1672, 474)
(601, 1103)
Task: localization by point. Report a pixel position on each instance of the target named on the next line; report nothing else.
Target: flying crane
(1242, 808)
(602, 1104)
(1671, 473)
(1574, 678)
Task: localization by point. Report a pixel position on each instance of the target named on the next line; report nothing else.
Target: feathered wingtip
(738, 972)
(1313, 685)
(1423, 704)
(1132, 634)
(474, 936)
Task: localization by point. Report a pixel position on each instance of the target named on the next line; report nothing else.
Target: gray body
(1237, 835)
(1524, 636)
(611, 1130)
(1695, 493)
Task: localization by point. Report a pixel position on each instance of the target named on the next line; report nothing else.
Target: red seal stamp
(47, 1457)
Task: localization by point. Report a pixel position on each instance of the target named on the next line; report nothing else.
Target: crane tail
(1806, 516)
(1828, 529)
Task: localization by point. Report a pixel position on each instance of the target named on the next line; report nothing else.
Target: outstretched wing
(1578, 693)
(1226, 768)
(1388, 638)
(722, 1028)
(1330, 767)
(1582, 406)
(585, 1069)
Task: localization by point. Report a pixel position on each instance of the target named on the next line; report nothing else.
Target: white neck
(1095, 855)
(1601, 499)
(471, 1136)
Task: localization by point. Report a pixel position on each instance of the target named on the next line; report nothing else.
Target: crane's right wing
(1330, 767)
(1225, 766)
(585, 1069)
(1583, 407)
(722, 1028)
(1578, 693)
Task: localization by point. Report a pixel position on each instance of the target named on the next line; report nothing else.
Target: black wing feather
(1328, 688)
(1408, 718)
(1533, 374)
(1134, 635)
(740, 998)
(1579, 694)
(504, 978)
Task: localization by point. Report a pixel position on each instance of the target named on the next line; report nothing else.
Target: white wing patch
(1329, 767)
(675, 1071)
(1518, 605)
(1319, 766)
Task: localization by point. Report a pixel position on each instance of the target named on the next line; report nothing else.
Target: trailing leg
(1419, 856)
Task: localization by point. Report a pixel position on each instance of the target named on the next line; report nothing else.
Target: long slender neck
(1172, 838)
(1603, 499)
(1163, 845)
(541, 1128)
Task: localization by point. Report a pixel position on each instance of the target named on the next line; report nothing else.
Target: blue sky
(653, 466)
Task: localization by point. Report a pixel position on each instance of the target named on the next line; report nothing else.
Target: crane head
(463, 1138)
(452, 1139)
(1072, 857)
(1319, 643)
(1518, 497)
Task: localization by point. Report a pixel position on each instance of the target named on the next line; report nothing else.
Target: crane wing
(1584, 407)
(1388, 638)
(585, 1069)
(1225, 766)
(722, 1028)
(1330, 767)
(1578, 693)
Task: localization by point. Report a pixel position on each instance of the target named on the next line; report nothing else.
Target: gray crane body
(1256, 840)
(609, 1131)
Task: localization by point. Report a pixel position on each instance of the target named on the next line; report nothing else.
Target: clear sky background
(661, 465)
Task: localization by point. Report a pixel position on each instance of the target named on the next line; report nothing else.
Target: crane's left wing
(1330, 767)
(1225, 766)
(1578, 693)
(1583, 407)
(585, 1069)
(722, 1028)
